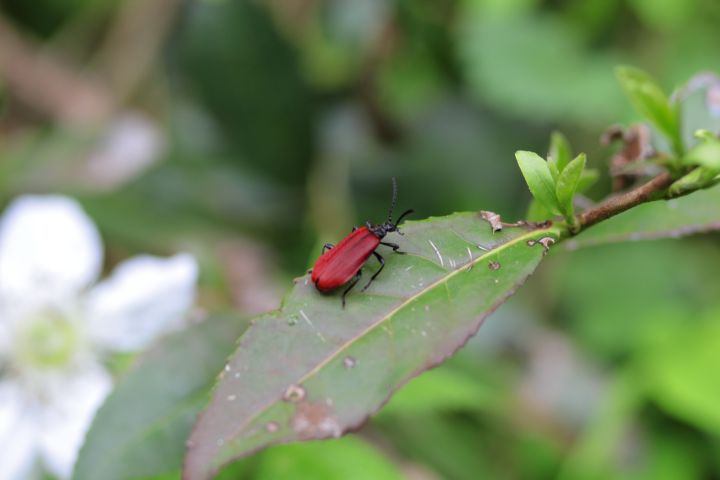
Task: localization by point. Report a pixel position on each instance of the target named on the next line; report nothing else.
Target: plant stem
(652, 190)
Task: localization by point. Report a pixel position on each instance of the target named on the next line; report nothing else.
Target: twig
(645, 193)
(133, 43)
(89, 96)
(47, 85)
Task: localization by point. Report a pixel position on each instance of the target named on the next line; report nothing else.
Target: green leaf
(537, 213)
(587, 180)
(705, 154)
(568, 182)
(554, 171)
(560, 150)
(141, 429)
(578, 88)
(442, 390)
(695, 213)
(588, 458)
(313, 370)
(704, 134)
(248, 78)
(698, 178)
(682, 374)
(664, 14)
(671, 456)
(651, 102)
(539, 179)
(349, 458)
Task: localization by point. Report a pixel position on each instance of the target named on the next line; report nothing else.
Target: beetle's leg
(382, 265)
(394, 246)
(327, 246)
(352, 284)
(354, 228)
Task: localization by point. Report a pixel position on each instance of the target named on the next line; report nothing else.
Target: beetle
(341, 264)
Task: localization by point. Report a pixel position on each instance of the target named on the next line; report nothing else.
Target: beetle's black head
(382, 229)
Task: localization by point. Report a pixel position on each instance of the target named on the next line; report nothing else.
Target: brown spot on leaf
(494, 265)
(315, 420)
(546, 242)
(493, 219)
(497, 224)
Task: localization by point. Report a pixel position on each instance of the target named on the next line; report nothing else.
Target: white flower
(56, 325)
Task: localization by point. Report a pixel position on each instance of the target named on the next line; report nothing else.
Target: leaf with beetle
(314, 370)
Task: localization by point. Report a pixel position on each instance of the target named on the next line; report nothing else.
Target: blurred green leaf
(349, 458)
(248, 77)
(612, 297)
(141, 429)
(538, 67)
(539, 179)
(668, 455)
(567, 183)
(587, 179)
(313, 370)
(706, 154)
(593, 457)
(453, 446)
(698, 178)
(442, 390)
(46, 17)
(651, 102)
(681, 373)
(560, 150)
(665, 14)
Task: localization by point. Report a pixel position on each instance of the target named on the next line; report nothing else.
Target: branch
(133, 43)
(76, 96)
(645, 193)
(47, 85)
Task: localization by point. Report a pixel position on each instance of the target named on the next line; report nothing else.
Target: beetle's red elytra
(342, 263)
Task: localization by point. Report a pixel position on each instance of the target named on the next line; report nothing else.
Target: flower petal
(48, 245)
(18, 434)
(145, 297)
(64, 423)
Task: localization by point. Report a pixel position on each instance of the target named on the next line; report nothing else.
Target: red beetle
(341, 264)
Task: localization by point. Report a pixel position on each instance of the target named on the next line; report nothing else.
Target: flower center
(50, 340)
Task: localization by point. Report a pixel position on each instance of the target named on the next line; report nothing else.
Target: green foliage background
(284, 123)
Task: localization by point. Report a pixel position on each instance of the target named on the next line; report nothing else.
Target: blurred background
(251, 132)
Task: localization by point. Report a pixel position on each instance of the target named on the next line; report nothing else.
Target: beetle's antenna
(394, 199)
(408, 212)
